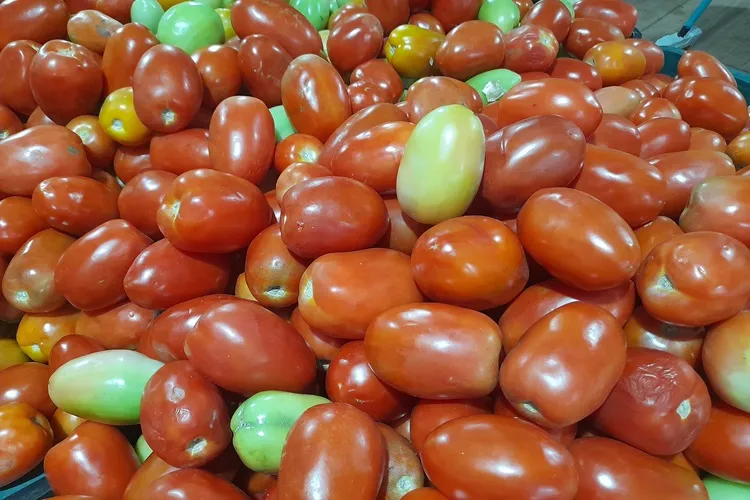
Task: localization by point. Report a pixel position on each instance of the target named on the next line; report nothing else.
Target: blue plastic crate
(672, 57)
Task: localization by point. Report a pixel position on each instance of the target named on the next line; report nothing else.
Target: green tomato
(191, 26)
(147, 13)
(502, 13)
(104, 386)
(316, 11)
(261, 424)
(442, 165)
(281, 123)
(721, 489)
(142, 449)
(494, 84)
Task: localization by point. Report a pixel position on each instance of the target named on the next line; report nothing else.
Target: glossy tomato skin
(167, 89)
(219, 67)
(266, 352)
(452, 13)
(573, 69)
(180, 152)
(28, 283)
(18, 223)
(92, 29)
(40, 21)
(296, 173)
(162, 276)
(262, 62)
(354, 40)
(700, 138)
(350, 380)
(663, 135)
(122, 53)
(37, 333)
(297, 148)
(530, 48)
(430, 93)
(611, 469)
(587, 32)
(613, 176)
(15, 89)
(405, 341)
(723, 359)
(653, 53)
(96, 460)
(553, 15)
(319, 111)
(424, 494)
(704, 65)
(331, 214)
(403, 472)
(620, 13)
(617, 132)
(565, 435)
(26, 437)
(695, 279)
(654, 107)
(100, 148)
(427, 21)
(60, 152)
(118, 327)
(140, 199)
(471, 48)
(643, 330)
(474, 262)
(559, 339)
(241, 138)
(9, 123)
(129, 161)
(27, 383)
(711, 104)
(187, 483)
(536, 98)
(323, 346)
(616, 62)
(334, 450)
(390, 13)
(71, 347)
(720, 204)
(364, 94)
(427, 415)
(643, 88)
(541, 466)
(403, 231)
(66, 80)
(594, 269)
(278, 21)
(378, 72)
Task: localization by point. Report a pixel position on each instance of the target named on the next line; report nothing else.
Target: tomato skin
(355, 40)
(37, 333)
(162, 276)
(192, 482)
(130, 161)
(530, 48)
(266, 352)
(430, 93)
(710, 103)
(71, 347)
(471, 48)
(587, 32)
(674, 291)
(336, 447)
(405, 341)
(663, 135)
(719, 204)
(92, 29)
(25, 439)
(140, 199)
(60, 153)
(122, 53)
(167, 89)
(617, 132)
(642, 330)
(150, 470)
(262, 62)
(573, 69)
(323, 346)
(180, 152)
(620, 13)
(403, 231)
(18, 223)
(452, 13)
(634, 473)
(653, 53)
(27, 383)
(219, 67)
(363, 95)
(644, 89)
(15, 89)
(723, 359)
(297, 148)
(616, 62)
(497, 439)
(63, 424)
(296, 173)
(427, 415)
(39, 21)
(379, 72)
(703, 65)
(94, 451)
(100, 148)
(654, 107)
(403, 471)
(241, 138)
(553, 15)
(700, 138)
(9, 123)
(424, 494)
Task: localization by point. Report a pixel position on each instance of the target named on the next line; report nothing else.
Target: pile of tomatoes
(326, 249)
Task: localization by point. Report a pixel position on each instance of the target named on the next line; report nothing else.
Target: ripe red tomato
(472, 48)
(643, 330)
(263, 61)
(71, 347)
(189, 483)
(428, 415)
(25, 439)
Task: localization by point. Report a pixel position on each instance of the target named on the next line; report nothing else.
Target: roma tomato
(427, 21)
(654, 107)
(412, 50)
(262, 62)
(723, 361)
(712, 104)
(331, 214)
(66, 80)
(663, 135)
(424, 494)
(540, 465)
(363, 95)
(428, 94)
(190, 483)
(297, 148)
(342, 293)
(29, 283)
(167, 89)
(576, 257)
(616, 62)
(338, 449)
(239, 211)
(130, 161)
(122, 53)
(9, 123)
(530, 48)
(739, 149)
(700, 138)
(63, 424)
(71, 347)
(219, 67)
(241, 138)
(617, 132)
(695, 279)
(323, 346)
(403, 231)
(39, 20)
(630, 473)
(471, 48)
(296, 173)
(140, 199)
(92, 29)
(644, 89)
(59, 151)
(180, 152)
(618, 100)
(406, 341)
(162, 276)
(25, 439)
(427, 415)
(244, 348)
(451, 13)
(382, 74)
(553, 15)
(119, 119)
(355, 40)
(100, 148)
(117, 327)
(578, 71)
(403, 472)
(618, 12)
(15, 89)
(720, 204)
(565, 435)
(653, 53)
(90, 272)
(38, 333)
(474, 262)
(587, 32)
(314, 96)
(27, 383)
(81, 462)
(18, 223)
(350, 380)
(643, 330)
(11, 354)
(704, 65)
(669, 397)
(390, 13)
(75, 205)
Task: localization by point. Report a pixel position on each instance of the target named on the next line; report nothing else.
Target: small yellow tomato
(11, 354)
(411, 50)
(117, 117)
(38, 333)
(226, 20)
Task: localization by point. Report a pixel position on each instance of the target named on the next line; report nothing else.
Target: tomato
(702, 64)
(190, 483)
(428, 94)
(71, 347)
(59, 151)
(363, 95)
(655, 232)
(451, 13)
(11, 354)
(407, 341)
(336, 446)
(427, 21)
(38, 20)
(686, 169)
(700, 138)
(152, 469)
(644, 89)
(719, 204)
(739, 149)
(403, 231)
(553, 15)
(424, 494)
(653, 53)
(124, 49)
(673, 290)
(575, 70)
(616, 62)
(139, 200)
(296, 173)
(15, 89)
(712, 104)
(191, 26)
(92, 29)
(180, 152)
(654, 107)
(618, 100)
(323, 346)
(9, 123)
(280, 22)
(403, 471)
(618, 12)
(63, 424)
(565, 435)
(92, 452)
(219, 67)
(75, 205)
(642, 330)
(297, 148)
(663, 135)
(262, 62)
(25, 439)
(609, 468)
(241, 138)
(723, 359)
(120, 121)
(130, 161)
(378, 72)
(18, 223)
(428, 415)
(530, 48)
(471, 48)
(27, 383)
(266, 352)
(587, 32)
(38, 333)
(412, 50)
(117, 327)
(540, 465)
(355, 40)
(100, 148)
(617, 132)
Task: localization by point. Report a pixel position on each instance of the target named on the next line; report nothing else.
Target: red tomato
(654, 107)
(565, 435)
(338, 449)
(704, 65)
(642, 330)
(382, 74)
(425, 493)
(616, 62)
(130, 161)
(297, 148)
(720, 204)
(403, 231)
(427, 21)
(451, 13)
(122, 53)
(530, 48)
(92, 29)
(262, 62)
(180, 152)
(618, 12)
(710, 103)
(296, 173)
(9, 123)
(27, 383)
(356, 39)
(15, 61)
(364, 94)
(653, 53)
(471, 48)
(140, 199)
(71, 347)
(587, 32)
(655, 232)
(700, 138)
(553, 15)
(575, 70)
(100, 148)
(192, 483)
(219, 67)
(404, 470)
(25, 439)
(617, 132)
(323, 346)
(37, 20)
(428, 415)
(663, 135)
(117, 327)
(18, 223)
(430, 93)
